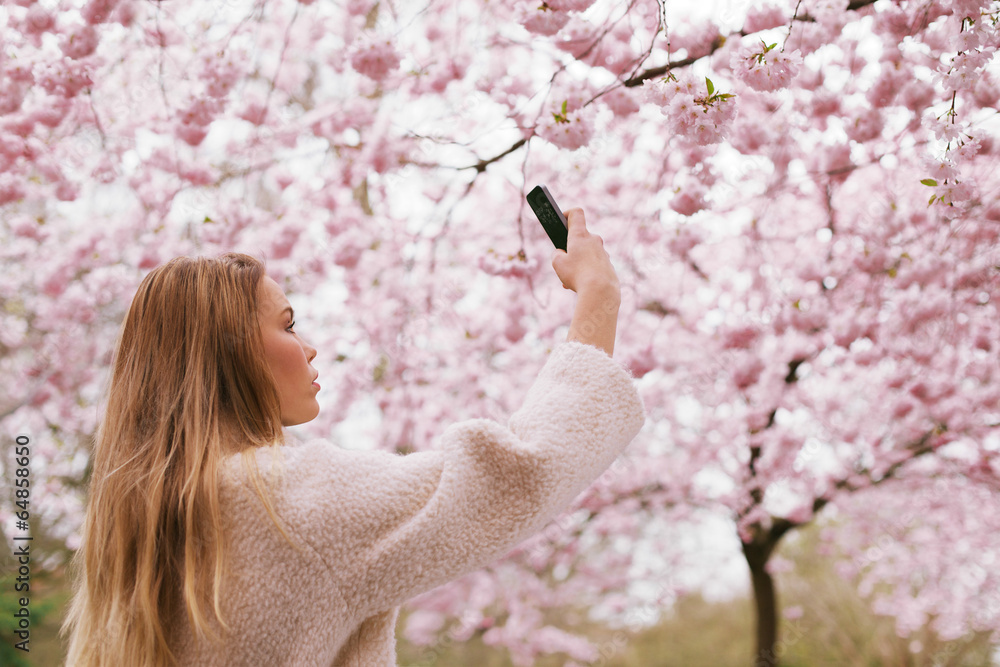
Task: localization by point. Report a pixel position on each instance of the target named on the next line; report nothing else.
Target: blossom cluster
(764, 67)
(693, 109)
(569, 127)
(376, 60)
(510, 266)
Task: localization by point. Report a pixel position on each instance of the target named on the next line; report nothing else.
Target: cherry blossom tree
(800, 198)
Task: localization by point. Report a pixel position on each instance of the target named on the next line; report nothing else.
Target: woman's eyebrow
(290, 311)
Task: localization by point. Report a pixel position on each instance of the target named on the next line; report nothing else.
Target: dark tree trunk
(757, 554)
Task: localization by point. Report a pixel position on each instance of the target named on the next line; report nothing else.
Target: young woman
(210, 541)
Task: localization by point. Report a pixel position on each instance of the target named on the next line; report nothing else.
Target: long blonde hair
(189, 386)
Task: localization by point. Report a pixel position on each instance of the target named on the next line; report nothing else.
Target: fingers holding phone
(584, 264)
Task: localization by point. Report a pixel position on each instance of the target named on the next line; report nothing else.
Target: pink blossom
(38, 20)
(255, 112)
(51, 112)
(453, 70)
(11, 97)
(696, 39)
(359, 7)
(986, 92)
(693, 113)
(689, 201)
(510, 266)
(48, 167)
(543, 21)
(967, 8)
(686, 237)
(740, 338)
(895, 21)
(348, 255)
(642, 362)
(99, 11)
(570, 5)
(953, 193)
(21, 125)
(515, 331)
(866, 126)
(221, 72)
(834, 161)
(18, 71)
(621, 102)
(747, 372)
(11, 188)
(79, 42)
(201, 111)
(191, 134)
(827, 11)
(162, 35)
(917, 95)
(283, 179)
(284, 241)
(376, 60)
(66, 78)
(764, 17)
(575, 38)
(196, 174)
(28, 228)
(105, 171)
(763, 68)
(67, 191)
(748, 136)
(884, 91)
(11, 146)
(570, 130)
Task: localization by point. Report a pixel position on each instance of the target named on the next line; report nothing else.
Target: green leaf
(561, 116)
(711, 88)
(929, 181)
(933, 197)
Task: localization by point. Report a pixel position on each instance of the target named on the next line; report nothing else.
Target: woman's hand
(585, 268)
(584, 265)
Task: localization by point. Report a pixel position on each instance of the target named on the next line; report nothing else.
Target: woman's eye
(290, 327)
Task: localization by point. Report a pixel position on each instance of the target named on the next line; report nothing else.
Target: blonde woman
(210, 541)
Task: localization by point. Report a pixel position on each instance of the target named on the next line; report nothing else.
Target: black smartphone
(549, 214)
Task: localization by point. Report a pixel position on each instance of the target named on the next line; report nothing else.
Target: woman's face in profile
(288, 356)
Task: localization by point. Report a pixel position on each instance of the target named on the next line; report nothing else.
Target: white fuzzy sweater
(377, 528)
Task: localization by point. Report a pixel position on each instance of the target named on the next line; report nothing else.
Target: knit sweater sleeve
(393, 526)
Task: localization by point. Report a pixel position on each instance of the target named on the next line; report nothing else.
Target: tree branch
(480, 166)
(717, 44)
(918, 449)
(660, 71)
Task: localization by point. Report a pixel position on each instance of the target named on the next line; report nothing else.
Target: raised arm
(423, 519)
